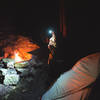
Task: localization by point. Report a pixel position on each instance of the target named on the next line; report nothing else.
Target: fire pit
(20, 71)
(17, 81)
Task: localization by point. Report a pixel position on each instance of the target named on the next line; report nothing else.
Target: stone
(21, 64)
(12, 79)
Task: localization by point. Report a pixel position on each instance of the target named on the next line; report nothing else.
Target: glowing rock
(11, 79)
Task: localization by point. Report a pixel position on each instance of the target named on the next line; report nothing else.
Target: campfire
(16, 58)
(19, 67)
(17, 48)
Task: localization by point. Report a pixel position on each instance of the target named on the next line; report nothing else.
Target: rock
(30, 84)
(21, 64)
(7, 60)
(11, 79)
(11, 63)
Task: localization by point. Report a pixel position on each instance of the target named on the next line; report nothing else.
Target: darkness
(34, 18)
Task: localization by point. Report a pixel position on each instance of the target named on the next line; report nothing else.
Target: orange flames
(17, 47)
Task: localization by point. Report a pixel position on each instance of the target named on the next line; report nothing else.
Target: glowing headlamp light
(50, 31)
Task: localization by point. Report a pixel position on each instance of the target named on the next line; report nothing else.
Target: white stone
(10, 64)
(11, 79)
